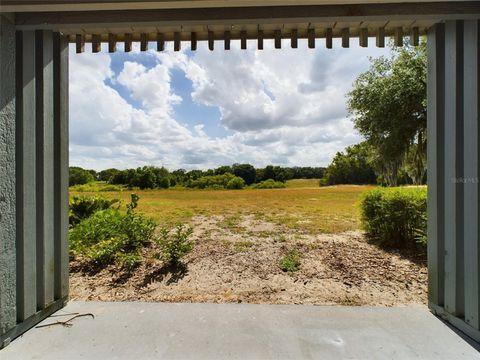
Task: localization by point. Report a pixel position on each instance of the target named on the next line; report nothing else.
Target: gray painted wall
(7, 176)
(34, 177)
(453, 173)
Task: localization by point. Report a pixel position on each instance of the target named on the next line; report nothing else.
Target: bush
(290, 262)
(175, 245)
(216, 182)
(236, 183)
(79, 176)
(81, 207)
(396, 217)
(269, 184)
(112, 236)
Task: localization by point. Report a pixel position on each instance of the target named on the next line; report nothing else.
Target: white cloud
(283, 106)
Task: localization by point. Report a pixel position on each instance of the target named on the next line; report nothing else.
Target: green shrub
(396, 217)
(291, 261)
(109, 236)
(269, 184)
(81, 207)
(236, 183)
(79, 176)
(175, 245)
(216, 182)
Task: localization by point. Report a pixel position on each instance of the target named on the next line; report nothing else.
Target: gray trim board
(7, 176)
(471, 150)
(435, 160)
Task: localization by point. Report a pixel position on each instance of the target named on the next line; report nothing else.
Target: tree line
(152, 177)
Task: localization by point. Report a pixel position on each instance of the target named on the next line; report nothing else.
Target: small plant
(290, 262)
(109, 236)
(175, 245)
(81, 207)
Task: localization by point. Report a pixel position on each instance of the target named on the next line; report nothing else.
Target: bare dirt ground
(236, 259)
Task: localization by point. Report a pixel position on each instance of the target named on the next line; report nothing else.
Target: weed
(175, 245)
(291, 261)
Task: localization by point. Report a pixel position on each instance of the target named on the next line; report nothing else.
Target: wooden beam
(398, 38)
(80, 43)
(381, 37)
(112, 43)
(177, 43)
(96, 44)
(227, 37)
(160, 41)
(128, 42)
(278, 39)
(363, 37)
(211, 40)
(294, 38)
(260, 37)
(193, 41)
(432, 10)
(143, 42)
(243, 40)
(329, 38)
(311, 38)
(345, 37)
(414, 36)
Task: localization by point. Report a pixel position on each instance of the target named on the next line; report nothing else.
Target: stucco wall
(7, 175)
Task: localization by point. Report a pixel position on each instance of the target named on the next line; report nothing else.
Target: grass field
(303, 205)
(296, 245)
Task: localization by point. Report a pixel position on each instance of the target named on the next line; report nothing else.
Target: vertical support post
(60, 121)
(471, 98)
(227, 37)
(294, 39)
(381, 37)
(329, 38)
(160, 42)
(112, 43)
(7, 176)
(177, 42)
(243, 40)
(260, 39)
(278, 39)
(26, 180)
(193, 41)
(44, 167)
(454, 280)
(435, 160)
(311, 34)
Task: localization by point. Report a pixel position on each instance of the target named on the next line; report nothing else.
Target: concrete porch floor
(240, 331)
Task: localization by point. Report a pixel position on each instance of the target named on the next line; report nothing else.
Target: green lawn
(302, 205)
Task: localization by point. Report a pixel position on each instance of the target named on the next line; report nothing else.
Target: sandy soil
(237, 260)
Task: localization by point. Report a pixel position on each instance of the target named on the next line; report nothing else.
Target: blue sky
(204, 109)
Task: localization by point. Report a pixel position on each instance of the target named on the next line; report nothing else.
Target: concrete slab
(241, 331)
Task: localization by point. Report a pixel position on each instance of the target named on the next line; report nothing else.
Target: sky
(203, 109)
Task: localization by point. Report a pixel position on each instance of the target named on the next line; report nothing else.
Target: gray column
(471, 103)
(34, 164)
(7, 176)
(435, 160)
(453, 173)
(61, 164)
(454, 286)
(26, 179)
